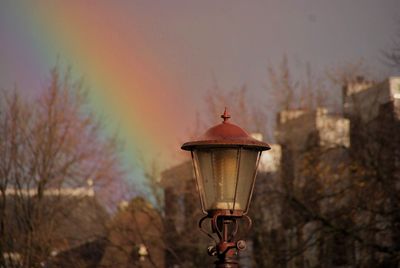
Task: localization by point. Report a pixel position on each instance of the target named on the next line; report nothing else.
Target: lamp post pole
(225, 161)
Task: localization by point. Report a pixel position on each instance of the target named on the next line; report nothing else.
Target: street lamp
(225, 160)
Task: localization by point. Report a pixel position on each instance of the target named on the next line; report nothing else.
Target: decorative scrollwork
(225, 225)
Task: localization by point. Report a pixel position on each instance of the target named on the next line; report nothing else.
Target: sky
(149, 64)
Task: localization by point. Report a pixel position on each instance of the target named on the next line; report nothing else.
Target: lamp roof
(225, 135)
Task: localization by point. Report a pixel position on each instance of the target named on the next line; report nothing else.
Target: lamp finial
(225, 116)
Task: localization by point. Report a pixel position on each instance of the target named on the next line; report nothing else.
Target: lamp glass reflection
(225, 177)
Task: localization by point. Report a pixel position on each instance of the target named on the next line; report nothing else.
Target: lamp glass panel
(217, 177)
(247, 172)
(203, 169)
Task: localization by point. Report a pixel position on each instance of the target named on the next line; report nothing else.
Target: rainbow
(127, 82)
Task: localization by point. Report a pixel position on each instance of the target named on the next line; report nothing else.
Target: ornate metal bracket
(225, 226)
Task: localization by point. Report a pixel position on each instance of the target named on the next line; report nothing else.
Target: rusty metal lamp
(225, 161)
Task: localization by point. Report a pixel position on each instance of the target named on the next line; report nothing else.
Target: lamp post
(225, 160)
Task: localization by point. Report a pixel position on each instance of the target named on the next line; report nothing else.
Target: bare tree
(306, 92)
(392, 56)
(50, 149)
(134, 238)
(339, 200)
